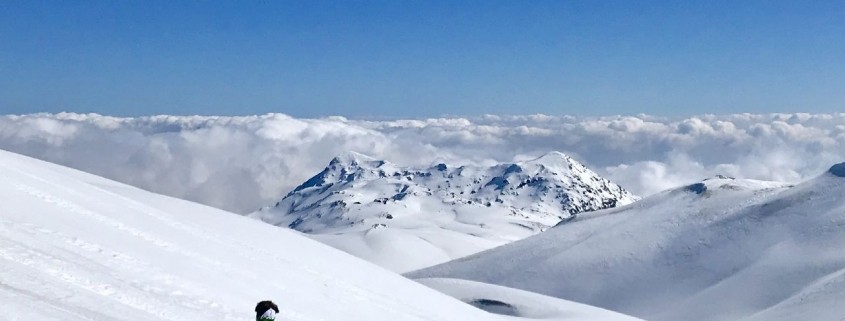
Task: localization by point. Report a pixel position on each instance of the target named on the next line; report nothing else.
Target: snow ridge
(721, 249)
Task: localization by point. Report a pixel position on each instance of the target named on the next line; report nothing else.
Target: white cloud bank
(242, 163)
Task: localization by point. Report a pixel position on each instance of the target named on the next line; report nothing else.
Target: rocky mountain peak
(457, 210)
(552, 186)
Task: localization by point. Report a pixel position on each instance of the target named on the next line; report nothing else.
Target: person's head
(265, 308)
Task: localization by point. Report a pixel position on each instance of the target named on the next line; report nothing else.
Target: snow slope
(406, 218)
(518, 303)
(721, 249)
(74, 246)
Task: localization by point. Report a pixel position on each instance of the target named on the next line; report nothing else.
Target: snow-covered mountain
(74, 246)
(722, 249)
(408, 218)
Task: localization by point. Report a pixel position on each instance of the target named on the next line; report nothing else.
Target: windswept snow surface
(523, 304)
(720, 250)
(74, 246)
(409, 218)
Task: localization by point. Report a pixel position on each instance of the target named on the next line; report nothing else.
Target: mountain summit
(378, 210)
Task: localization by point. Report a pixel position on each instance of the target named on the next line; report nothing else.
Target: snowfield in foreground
(74, 246)
(719, 250)
(408, 218)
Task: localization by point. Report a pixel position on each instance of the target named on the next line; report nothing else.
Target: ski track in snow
(60, 269)
(73, 274)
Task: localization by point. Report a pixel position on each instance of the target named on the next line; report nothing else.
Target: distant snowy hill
(718, 250)
(74, 246)
(408, 218)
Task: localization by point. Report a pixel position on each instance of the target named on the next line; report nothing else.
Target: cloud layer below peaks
(243, 163)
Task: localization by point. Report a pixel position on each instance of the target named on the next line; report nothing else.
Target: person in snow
(266, 311)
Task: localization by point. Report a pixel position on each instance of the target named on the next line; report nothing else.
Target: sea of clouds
(244, 163)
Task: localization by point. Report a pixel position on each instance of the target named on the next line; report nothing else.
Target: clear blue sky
(397, 58)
